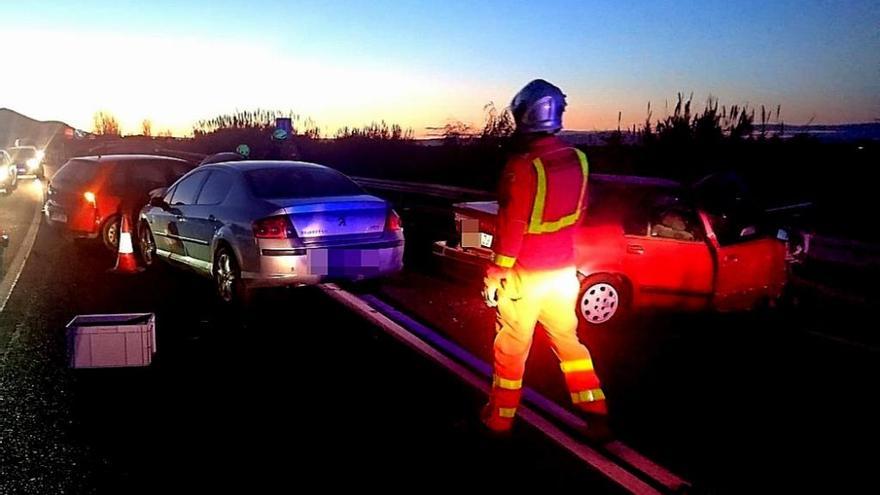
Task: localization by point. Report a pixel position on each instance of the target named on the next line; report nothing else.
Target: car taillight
(277, 227)
(392, 221)
(90, 198)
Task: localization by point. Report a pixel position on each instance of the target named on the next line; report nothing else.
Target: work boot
(496, 425)
(599, 407)
(598, 430)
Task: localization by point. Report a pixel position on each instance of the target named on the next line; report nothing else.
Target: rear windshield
(22, 154)
(76, 172)
(299, 182)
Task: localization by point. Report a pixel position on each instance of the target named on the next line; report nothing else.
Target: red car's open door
(750, 264)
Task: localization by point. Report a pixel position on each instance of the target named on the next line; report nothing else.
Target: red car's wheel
(602, 299)
(110, 233)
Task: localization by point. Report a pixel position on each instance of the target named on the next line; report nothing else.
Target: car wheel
(147, 245)
(110, 233)
(227, 278)
(602, 300)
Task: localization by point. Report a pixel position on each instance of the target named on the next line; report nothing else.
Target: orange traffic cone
(126, 261)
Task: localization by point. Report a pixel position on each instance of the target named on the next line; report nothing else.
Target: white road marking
(17, 264)
(14, 272)
(841, 340)
(613, 471)
(550, 409)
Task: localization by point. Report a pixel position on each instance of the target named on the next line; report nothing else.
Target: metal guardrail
(426, 189)
(855, 254)
(464, 193)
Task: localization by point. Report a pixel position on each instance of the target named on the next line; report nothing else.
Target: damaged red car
(654, 243)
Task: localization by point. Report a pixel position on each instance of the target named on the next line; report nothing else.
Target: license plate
(343, 262)
(58, 217)
(485, 240)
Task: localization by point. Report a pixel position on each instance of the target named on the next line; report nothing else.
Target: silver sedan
(254, 224)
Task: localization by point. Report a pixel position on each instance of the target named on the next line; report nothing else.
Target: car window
(76, 172)
(740, 223)
(665, 215)
(636, 222)
(215, 189)
(118, 179)
(299, 182)
(602, 204)
(144, 176)
(187, 190)
(178, 169)
(23, 154)
(676, 222)
(637, 206)
(150, 172)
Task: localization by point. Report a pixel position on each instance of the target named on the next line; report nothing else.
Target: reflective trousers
(548, 297)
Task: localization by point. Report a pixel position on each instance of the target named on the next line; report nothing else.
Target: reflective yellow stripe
(507, 412)
(579, 365)
(588, 396)
(504, 261)
(537, 221)
(506, 384)
(537, 225)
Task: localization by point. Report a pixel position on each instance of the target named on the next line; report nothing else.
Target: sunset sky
(423, 64)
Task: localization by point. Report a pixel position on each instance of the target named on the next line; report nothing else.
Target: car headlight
(33, 163)
(4, 171)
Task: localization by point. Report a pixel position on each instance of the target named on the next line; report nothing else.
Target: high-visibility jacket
(542, 198)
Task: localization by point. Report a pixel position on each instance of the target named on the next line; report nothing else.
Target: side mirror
(159, 191)
(159, 202)
(157, 197)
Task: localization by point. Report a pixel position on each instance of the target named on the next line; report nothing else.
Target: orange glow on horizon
(158, 78)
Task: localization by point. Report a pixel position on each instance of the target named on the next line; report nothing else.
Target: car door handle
(635, 249)
(180, 218)
(731, 258)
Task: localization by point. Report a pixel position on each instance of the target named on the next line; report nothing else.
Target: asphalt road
(299, 393)
(16, 212)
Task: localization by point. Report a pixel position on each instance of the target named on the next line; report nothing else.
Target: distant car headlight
(32, 164)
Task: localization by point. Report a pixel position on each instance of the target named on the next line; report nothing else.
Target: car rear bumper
(79, 223)
(24, 172)
(301, 266)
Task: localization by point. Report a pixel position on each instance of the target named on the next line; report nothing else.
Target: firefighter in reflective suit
(542, 199)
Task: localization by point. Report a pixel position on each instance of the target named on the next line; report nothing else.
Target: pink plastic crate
(111, 341)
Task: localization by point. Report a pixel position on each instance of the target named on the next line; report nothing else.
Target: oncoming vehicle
(253, 224)
(647, 243)
(85, 196)
(8, 173)
(28, 160)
